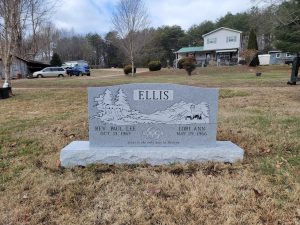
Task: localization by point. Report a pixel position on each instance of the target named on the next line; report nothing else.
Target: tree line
(26, 31)
(162, 42)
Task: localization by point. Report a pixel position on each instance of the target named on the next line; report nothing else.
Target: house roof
(31, 64)
(17, 57)
(190, 49)
(222, 28)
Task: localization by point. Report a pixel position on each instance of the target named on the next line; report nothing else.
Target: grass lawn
(260, 114)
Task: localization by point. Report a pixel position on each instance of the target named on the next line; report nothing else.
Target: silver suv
(50, 72)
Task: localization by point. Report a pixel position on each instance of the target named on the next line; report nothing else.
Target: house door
(208, 56)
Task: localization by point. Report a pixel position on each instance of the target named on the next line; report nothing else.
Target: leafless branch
(129, 20)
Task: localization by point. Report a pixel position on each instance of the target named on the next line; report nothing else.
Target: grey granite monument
(152, 123)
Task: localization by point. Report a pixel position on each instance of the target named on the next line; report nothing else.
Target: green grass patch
(294, 160)
(261, 121)
(267, 166)
(228, 93)
(29, 148)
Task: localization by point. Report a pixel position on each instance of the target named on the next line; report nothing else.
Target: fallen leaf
(13, 144)
(58, 163)
(154, 190)
(25, 196)
(257, 193)
(278, 166)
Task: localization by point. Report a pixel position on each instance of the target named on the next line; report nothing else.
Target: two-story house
(221, 46)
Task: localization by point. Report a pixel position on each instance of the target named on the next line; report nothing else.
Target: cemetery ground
(260, 114)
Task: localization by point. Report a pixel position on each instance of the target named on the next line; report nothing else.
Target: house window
(231, 39)
(278, 55)
(288, 54)
(211, 40)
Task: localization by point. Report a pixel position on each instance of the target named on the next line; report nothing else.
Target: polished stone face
(153, 115)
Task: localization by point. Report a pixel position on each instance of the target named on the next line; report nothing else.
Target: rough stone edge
(78, 153)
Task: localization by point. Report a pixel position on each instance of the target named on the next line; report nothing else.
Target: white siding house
(225, 45)
(221, 47)
(222, 39)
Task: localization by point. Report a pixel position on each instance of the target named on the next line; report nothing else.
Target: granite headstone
(153, 123)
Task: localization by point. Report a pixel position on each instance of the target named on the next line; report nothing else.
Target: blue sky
(94, 15)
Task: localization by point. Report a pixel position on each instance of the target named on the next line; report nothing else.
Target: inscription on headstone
(154, 123)
(152, 115)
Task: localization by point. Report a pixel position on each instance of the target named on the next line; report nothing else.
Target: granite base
(79, 153)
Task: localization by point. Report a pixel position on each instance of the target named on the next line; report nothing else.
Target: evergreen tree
(288, 38)
(122, 101)
(252, 42)
(196, 31)
(107, 100)
(288, 34)
(252, 45)
(100, 102)
(55, 61)
(100, 105)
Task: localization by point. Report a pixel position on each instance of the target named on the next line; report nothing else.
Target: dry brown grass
(240, 76)
(264, 189)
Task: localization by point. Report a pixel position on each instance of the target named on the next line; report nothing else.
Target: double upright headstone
(152, 123)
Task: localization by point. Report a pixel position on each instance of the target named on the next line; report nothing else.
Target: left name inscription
(115, 130)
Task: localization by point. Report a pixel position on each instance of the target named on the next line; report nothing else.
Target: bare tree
(281, 13)
(10, 17)
(17, 19)
(130, 19)
(39, 12)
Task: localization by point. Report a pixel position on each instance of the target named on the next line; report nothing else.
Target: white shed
(19, 68)
(264, 59)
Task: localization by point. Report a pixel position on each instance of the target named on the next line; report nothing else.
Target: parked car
(78, 68)
(50, 72)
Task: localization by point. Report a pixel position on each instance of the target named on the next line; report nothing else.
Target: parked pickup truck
(289, 60)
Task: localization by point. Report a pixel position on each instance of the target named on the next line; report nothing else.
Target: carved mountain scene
(119, 112)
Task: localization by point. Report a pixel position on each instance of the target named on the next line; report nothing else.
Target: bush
(254, 62)
(243, 62)
(154, 65)
(55, 61)
(128, 69)
(180, 63)
(189, 65)
(250, 55)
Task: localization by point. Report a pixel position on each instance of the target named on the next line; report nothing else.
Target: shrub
(189, 65)
(243, 62)
(255, 61)
(180, 63)
(128, 69)
(154, 65)
(55, 61)
(250, 55)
